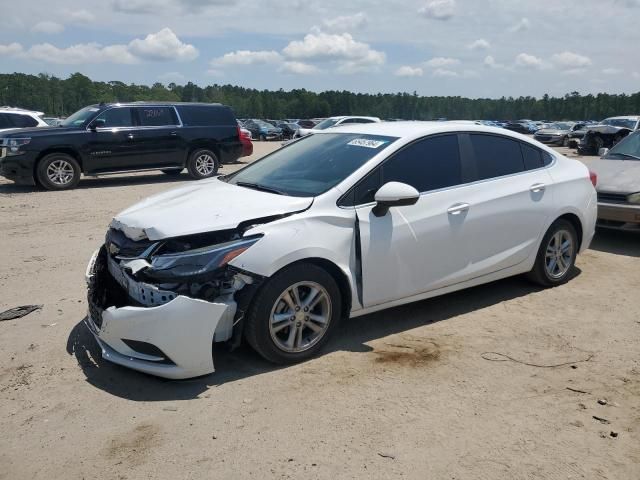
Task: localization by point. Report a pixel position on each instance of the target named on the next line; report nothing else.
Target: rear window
(203, 116)
(157, 116)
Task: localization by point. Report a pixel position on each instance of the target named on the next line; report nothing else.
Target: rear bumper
(177, 337)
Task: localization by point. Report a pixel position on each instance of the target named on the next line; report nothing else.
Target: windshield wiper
(262, 188)
(624, 155)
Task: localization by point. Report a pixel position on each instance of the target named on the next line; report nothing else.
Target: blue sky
(470, 48)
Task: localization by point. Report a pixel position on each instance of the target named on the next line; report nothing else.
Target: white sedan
(338, 224)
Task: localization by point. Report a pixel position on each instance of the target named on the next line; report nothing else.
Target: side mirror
(394, 194)
(97, 123)
(603, 151)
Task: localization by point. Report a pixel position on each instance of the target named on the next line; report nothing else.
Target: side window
(157, 116)
(23, 121)
(199, 116)
(4, 121)
(496, 156)
(116, 117)
(532, 157)
(427, 164)
(547, 159)
(364, 120)
(365, 191)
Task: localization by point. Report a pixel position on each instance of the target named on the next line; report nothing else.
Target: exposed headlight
(14, 144)
(192, 264)
(634, 198)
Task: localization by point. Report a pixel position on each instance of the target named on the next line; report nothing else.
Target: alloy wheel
(60, 172)
(559, 254)
(205, 164)
(300, 317)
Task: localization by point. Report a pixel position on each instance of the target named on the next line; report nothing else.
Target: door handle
(458, 208)
(130, 136)
(538, 187)
(173, 134)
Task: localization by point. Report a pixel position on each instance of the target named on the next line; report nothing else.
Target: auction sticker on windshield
(367, 143)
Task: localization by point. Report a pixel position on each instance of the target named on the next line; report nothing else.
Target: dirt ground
(405, 393)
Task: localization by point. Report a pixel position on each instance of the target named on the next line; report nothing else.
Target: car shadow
(617, 242)
(243, 362)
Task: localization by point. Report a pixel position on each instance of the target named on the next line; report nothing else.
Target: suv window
(22, 121)
(428, 164)
(156, 116)
(201, 116)
(496, 156)
(4, 121)
(116, 117)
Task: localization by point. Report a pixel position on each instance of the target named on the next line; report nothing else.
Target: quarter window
(23, 121)
(496, 156)
(157, 116)
(532, 157)
(116, 117)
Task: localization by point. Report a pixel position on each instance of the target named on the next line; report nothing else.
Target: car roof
(342, 117)
(417, 129)
(143, 103)
(20, 110)
(625, 117)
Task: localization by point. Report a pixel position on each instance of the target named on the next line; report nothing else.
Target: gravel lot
(404, 393)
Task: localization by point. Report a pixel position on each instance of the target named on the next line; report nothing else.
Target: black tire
(263, 138)
(46, 172)
(173, 172)
(565, 142)
(540, 273)
(196, 161)
(258, 319)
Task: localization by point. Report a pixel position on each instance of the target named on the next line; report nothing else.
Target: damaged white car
(337, 224)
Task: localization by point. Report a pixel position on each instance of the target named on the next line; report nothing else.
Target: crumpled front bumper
(182, 332)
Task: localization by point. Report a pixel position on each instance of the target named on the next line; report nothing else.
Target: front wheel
(58, 171)
(293, 314)
(556, 256)
(202, 163)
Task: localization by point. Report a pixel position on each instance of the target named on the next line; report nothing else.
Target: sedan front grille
(607, 197)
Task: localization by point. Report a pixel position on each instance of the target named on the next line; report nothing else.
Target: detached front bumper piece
(173, 340)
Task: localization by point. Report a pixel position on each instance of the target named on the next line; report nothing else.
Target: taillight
(593, 177)
(239, 131)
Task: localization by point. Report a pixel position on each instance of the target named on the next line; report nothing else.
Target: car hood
(617, 176)
(35, 131)
(204, 206)
(551, 131)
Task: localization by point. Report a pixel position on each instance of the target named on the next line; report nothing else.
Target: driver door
(417, 248)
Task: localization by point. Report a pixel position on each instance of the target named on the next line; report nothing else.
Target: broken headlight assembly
(195, 264)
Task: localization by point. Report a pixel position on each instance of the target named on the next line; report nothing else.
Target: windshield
(312, 165)
(262, 124)
(627, 149)
(561, 126)
(81, 117)
(620, 122)
(329, 122)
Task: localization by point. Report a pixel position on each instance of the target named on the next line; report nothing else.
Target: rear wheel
(202, 163)
(58, 171)
(556, 256)
(292, 316)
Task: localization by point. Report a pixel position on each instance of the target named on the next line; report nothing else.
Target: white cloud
(248, 57)
(480, 44)
(81, 16)
(438, 9)
(408, 71)
(490, 62)
(155, 6)
(351, 55)
(346, 23)
(80, 54)
(163, 45)
(10, 50)
(528, 61)
(571, 60)
(612, 71)
(299, 68)
(438, 62)
(443, 72)
(522, 25)
(172, 77)
(47, 26)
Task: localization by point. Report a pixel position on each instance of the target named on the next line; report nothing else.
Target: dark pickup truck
(122, 137)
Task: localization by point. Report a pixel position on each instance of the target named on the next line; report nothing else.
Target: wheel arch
(203, 143)
(575, 221)
(61, 149)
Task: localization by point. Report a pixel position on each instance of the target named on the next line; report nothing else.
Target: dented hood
(203, 206)
(617, 176)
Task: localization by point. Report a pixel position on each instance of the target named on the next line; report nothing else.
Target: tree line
(61, 97)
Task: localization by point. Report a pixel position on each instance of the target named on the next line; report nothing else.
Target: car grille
(606, 197)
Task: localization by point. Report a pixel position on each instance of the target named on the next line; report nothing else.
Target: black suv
(122, 137)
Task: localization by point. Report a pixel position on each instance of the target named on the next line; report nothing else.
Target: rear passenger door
(508, 205)
(158, 134)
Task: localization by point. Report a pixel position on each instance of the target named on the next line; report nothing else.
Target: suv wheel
(58, 171)
(202, 163)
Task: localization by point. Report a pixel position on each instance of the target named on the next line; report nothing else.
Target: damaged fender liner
(182, 329)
